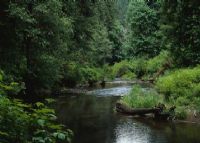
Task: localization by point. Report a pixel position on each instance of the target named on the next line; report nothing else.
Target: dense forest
(48, 45)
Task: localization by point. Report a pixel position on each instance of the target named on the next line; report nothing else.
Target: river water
(93, 120)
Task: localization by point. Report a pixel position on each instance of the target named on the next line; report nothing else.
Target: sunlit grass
(140, 98)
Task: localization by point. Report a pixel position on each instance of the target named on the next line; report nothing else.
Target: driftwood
(122, 108)
(157, 111)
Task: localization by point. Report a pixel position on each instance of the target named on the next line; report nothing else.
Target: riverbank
(139, 98)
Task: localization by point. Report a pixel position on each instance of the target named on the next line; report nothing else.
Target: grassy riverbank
(176, 87)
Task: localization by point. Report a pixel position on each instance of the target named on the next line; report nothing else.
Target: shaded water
(93, 120)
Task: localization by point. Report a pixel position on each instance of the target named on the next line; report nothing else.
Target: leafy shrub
(129, 75)
(182, 88)
(138, 66)
(48, 73)
(181, 113)
(107, 72)
(181, 103)
(71, 74)
(184, 82)
(196, 90)
(142, 98)
(196, 104)
(121, 68)
(11, 88)
(21, 123)
(13, 122)
(74, 73)
(156, 63)
(142, 23)
(91, 75)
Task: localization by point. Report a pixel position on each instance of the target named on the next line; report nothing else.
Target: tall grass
(139, 97)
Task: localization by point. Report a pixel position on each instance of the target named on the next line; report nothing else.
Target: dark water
(93, 120)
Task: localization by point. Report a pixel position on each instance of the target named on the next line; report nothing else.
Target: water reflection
(128, 132)
(131, 131)
(93, 120)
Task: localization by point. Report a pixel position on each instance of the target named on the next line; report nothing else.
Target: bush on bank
(141, 67)
(23, 123)
(180, 83)
(158, 62)
(181, 88)
(123, 70)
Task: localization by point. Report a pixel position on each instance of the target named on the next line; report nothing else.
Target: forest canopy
(51, 43)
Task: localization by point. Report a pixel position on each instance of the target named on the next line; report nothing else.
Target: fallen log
(157, 111)
(122, 108)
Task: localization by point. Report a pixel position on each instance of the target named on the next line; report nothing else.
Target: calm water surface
(93, 120)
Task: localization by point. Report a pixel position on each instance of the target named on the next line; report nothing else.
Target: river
(92, 118)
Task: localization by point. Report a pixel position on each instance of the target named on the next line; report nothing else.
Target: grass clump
(140, 98)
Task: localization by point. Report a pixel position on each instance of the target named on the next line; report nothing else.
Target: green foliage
(6, 88)
(13, 122)
(139, 98)
(71, 74)
(116, 36)
(183, 82)
(91, 75)
(107, 72)
(35, 41)
(43, 42)
(21, 123)
(129, 76)
(74, 74)
(101, 46)
(50, 72)
(181, 87)
(180, 30)
(181, 113)
(156, 63)
(138, 66)
(119, 69)
(142, 39)
(123, 69)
